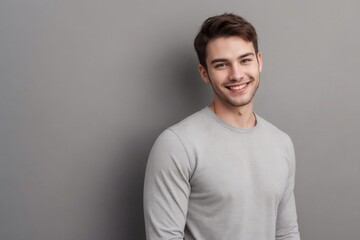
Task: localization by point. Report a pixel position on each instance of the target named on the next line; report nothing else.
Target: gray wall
(86, 86)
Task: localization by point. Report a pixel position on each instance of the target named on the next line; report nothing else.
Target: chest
(240, 172)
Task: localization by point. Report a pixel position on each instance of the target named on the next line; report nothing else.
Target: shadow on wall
(130, 178)
(179, 92)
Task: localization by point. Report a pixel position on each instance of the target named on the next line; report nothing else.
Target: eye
(246, 60)
(220, 65)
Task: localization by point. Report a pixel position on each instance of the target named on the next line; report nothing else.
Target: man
(223, 172)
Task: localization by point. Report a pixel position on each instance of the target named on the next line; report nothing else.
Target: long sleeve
(286, 224)
(166, 188)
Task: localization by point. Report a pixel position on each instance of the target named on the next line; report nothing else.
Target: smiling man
(223, 172)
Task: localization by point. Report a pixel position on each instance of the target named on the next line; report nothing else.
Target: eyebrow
(224, 59)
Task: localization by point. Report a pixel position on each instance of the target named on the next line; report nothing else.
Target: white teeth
(238, 87)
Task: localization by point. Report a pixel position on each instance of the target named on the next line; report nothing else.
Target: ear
(259, 59)
(203, 73)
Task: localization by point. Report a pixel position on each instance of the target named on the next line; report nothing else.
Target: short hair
(224, 25)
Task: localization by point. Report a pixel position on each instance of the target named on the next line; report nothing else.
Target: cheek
(254, 72)
(218, 77)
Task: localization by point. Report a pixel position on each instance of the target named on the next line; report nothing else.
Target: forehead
(228, 47)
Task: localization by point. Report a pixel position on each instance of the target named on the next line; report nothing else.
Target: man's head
(229, 60)
(224, 25)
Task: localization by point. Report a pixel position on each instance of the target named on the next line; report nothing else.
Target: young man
(223, 172)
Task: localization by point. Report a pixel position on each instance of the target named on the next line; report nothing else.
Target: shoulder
(179, 138)
(192, 128)
(280, 140)
(194, 121)
(275, 133)
(171, 150)
(172, 138)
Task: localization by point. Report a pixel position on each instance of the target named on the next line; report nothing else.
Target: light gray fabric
(207, 180)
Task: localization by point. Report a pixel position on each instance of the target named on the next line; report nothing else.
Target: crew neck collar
(231, 127)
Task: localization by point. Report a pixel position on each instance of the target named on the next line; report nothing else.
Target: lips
(237, 87)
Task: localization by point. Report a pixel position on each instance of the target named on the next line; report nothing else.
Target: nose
(236, 73)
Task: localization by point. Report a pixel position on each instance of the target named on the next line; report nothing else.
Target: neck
(240, 117)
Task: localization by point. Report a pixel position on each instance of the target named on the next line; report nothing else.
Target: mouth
(237, 87)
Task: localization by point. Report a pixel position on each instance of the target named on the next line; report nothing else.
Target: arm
(286, 224)
(166, 188)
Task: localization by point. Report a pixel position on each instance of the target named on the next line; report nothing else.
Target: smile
(238, 87)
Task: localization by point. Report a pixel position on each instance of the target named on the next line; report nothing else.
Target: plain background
(87, 86)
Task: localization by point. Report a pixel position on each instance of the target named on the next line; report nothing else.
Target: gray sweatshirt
(208, 180)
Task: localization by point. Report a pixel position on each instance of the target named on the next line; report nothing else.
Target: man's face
(233, 70)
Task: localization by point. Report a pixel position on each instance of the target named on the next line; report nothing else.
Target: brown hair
(224, 25)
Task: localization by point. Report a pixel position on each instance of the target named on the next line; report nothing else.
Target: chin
(240, 103)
